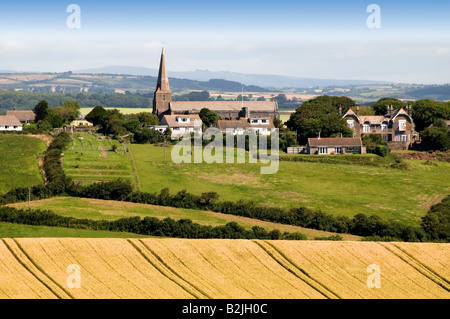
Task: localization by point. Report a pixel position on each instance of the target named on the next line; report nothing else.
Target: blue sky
(321, 39)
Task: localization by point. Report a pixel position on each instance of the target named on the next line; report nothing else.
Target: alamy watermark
(229, 148)
(374, 20)
(374, 279)
(74, 277)
(74, 19)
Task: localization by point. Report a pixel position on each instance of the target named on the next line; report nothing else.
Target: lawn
(19, 161)
(339, 189)
(112, 210)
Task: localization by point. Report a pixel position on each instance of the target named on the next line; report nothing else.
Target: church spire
(163, 79)
(162, 96)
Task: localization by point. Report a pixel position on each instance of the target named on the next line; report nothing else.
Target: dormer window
(264, 121)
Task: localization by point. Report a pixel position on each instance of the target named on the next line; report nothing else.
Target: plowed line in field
(175, 277)
(37, 272)
(417, 266)
(422, 264)
(287, 263)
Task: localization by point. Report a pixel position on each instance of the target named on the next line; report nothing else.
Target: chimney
(357, 110)
(340, 109)
(319, 135)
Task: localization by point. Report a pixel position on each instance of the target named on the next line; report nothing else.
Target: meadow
(37, 268)
(96, 209)
(19, 161)
(91, 158)
(339, 189)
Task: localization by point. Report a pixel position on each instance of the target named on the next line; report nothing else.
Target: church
(227, 110)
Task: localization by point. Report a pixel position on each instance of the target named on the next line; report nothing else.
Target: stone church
(227, 110)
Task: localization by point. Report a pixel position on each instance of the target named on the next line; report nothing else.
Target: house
(25, 117)
(228, 110)
(10, 123)
(181, 124)
(331, 146)
(260, 126)
(84, 123)
(396, 126)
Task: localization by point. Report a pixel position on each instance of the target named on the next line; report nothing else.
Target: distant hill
(263, 80)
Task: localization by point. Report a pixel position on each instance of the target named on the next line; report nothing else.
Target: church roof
(266, 106)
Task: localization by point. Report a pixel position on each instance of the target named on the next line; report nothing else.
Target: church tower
(162, 96)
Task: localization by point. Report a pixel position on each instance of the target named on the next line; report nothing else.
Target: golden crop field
(167, 268)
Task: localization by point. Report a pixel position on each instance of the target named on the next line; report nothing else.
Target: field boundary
(294, 269)
(421, 268)
(15, 249)
(162, 266)
(133, 165)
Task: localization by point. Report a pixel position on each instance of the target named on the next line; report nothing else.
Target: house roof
(22, 115)
(373, 119)
(9, 120)
(171, 121)
(401, 111)
(224, 105)
(242, 123)
(331, 141)
(350, 113)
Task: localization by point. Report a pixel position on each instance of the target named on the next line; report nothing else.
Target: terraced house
(396, 126)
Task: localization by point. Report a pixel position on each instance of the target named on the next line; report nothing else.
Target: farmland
(19, 162)
(340, 189)
(213, 269)
(112, 210)
(91, 158)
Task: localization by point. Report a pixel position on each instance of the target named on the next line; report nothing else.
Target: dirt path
(104, 153)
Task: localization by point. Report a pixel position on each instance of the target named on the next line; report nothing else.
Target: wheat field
(164, 268)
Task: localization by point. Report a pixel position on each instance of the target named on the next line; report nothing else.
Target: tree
(41, 110)
(436, 137)
(208, 117)
(424, 112)
(380, 107)
(147, 118)
(97, 116)
(320, 115)
(374, 143)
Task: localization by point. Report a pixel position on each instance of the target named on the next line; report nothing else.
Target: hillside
(19, 163)
(220, 269)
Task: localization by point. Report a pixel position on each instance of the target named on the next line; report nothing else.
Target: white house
(181, 124)
(260, 126)
(10, 123)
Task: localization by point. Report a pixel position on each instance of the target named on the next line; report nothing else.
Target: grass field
(19, 161)
(112, 210)
(123, 110)
(36, 268)
(89, 158)
(339, 189)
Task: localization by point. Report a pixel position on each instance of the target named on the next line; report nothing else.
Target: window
(402, 125)
(383, 128)
(366, 128)
(323, 150)
(264, 121)
(338, 150)
(401, 138)
(350, 123)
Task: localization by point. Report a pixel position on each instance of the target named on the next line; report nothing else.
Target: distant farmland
(19, 161)
(221, 269)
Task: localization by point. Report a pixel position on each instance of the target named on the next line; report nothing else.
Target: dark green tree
(424, 112)
(41, 110)
(97, 116)
(380, 107)
(208, 117)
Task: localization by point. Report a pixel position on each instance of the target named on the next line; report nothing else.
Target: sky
(407, 42)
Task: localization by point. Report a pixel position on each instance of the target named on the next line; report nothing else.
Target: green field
(112, 210)
(85, 162)
(19, 161)
(8, 230)
(339, 189)
(123, 110)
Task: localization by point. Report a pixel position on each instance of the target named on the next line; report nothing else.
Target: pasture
(339, 189)
(19, 161)
(37, 268)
